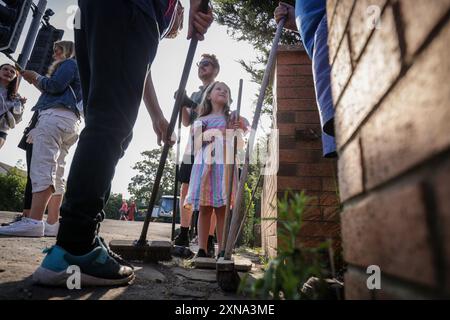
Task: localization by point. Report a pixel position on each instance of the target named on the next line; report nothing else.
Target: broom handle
(237, 213)
(176, 109)
(226, 225)
(177, 172)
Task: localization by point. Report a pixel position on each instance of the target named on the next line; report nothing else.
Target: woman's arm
(58, 82)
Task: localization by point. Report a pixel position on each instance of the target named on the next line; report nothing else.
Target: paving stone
(197, 274)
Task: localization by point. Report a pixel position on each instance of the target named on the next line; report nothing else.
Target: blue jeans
(114, 47)
(322, 84)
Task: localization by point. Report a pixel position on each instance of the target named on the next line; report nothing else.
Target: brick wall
(297, 153)
(391, 91)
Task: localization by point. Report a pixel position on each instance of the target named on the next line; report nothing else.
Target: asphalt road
(176, 279)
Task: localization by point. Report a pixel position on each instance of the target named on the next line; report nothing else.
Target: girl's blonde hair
(206, 105)
(68, 49)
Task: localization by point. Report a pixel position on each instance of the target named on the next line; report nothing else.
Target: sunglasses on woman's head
(204, 63)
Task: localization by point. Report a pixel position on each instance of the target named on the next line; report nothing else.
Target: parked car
(161, 212)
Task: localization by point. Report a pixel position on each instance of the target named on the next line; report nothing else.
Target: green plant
(294, 265)
(112, 206)
(247, 232)
(12, 189)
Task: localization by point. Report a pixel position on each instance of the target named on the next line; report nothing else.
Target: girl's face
(58, 53)
(220, 94)
(8, 73)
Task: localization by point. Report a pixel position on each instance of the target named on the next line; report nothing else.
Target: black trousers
(114, 47)
(28, 196)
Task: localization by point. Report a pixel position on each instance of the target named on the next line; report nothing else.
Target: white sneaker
(51, 230)
(24, 228)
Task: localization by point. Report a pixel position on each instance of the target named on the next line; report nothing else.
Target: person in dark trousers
(309, 17)
(115, 44)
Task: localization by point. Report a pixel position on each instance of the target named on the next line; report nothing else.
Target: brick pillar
(297, 152)
(391, 91)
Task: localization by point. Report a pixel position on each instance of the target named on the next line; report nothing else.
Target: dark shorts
(185, 170)
(3, 135)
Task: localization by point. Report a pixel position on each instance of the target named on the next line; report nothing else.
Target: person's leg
(212, 226)
(322, 81)
(220, 215)
(2, 142)
(186, 216)
(204, 220)
(186, 213)
(28, 192)
(47, 141)
(117, 37)
(55, 202)
(53, 208)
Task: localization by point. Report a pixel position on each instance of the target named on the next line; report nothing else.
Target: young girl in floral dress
(213, 149)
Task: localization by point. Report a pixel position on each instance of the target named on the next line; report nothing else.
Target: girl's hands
(22, 100)
(242, 123)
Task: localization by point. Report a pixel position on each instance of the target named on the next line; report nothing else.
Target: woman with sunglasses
(208, 69)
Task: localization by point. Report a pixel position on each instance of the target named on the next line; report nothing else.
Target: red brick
(331, 214)
(299, 81)
(285, 117)
(412, 124)
(341, 70)
(359, 27)
(330, 184)
(380, 65)
(356, 285)
(287, 70)
(319, 229)
(296, 156)
(417, 29)
(286, 142)
(389, 229)
(289, 170)
(298, 183)
(293, 58)
(287, 129)
(339, 25)
(309, 242)
(296, 93)
(312, 213)
(315, 170)
(296, 104)
(442, 188)
(329, 199)
(307, 117)
(350, 171)
(307, 144)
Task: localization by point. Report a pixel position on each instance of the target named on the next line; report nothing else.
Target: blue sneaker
(98, 268)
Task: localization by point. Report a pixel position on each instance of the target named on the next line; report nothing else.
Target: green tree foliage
(113, 205)
(142, 184)
(253, 21)
(12, 188)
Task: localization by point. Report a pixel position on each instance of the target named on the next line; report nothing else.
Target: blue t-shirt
(308, 14)
(155, 9)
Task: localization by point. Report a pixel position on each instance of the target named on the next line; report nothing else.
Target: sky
(166, 70)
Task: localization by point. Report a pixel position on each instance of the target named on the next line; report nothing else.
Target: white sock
(34, 221)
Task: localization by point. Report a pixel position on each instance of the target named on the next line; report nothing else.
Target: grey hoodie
(10, 111)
